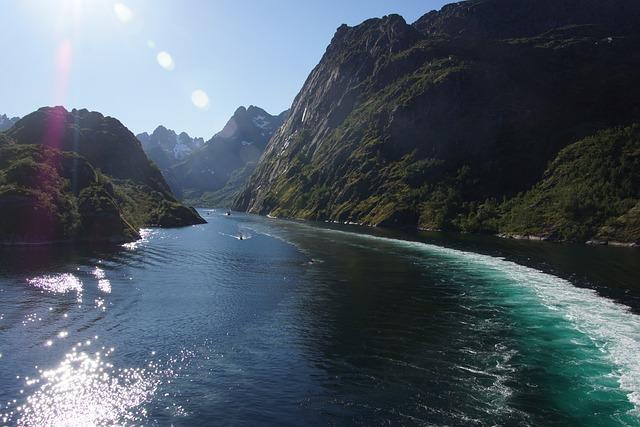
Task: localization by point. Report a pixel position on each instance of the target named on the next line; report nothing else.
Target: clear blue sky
(105, 55)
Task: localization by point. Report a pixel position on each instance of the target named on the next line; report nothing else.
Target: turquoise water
(300, 324)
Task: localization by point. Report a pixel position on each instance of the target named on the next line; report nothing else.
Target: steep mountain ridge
(213, 174)
(418, 125)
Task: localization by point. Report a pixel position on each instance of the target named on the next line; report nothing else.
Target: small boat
(228, 213)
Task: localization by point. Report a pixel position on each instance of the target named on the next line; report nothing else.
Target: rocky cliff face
(213, 174)
(420, 125)
(80, 176)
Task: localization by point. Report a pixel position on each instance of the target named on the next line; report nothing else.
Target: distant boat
(228, 213)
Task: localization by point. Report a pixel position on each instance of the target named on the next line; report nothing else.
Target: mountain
(7, 122)
(80, 176)
(447, 122)
(213, 174)
(166, 148)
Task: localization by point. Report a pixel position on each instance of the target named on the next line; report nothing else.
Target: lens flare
(123, 13)
(165, 61)
(200, 98)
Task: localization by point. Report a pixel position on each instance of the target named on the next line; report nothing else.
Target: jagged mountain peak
(253, 124)
(6, 122)
(389, 33)
(166, 147)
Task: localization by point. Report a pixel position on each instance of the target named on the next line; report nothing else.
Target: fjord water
(299, 324)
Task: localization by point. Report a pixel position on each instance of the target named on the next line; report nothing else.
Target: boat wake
(610, 328)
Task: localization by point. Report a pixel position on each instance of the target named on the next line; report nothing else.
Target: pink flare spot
(64, 57)
(64, 61)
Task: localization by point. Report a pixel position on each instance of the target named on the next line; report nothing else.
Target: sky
(185, 64)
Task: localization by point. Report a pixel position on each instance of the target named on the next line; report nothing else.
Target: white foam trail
(612, 327)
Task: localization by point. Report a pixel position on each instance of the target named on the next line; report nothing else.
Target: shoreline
(590, 242)
(513, 236)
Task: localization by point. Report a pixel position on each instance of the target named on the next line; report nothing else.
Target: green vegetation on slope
(47, 195)
(591, 190)
(80, 176)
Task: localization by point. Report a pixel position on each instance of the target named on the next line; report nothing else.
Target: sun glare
(123, 13)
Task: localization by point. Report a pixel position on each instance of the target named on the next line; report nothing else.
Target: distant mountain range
(166, 148)
(80, 176)
(7, 122)
(511, 117)
(211, 174)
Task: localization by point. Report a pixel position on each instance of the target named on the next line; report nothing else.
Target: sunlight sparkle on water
(86, 390)
(103, 283)
(59, 283)
(144, 237)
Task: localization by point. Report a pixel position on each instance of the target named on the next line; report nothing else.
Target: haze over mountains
(460, 122)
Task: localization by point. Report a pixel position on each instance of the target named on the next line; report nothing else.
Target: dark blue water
(308, 325)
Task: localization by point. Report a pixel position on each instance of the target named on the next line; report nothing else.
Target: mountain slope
(212, 175)
(419, 125)
(69, 176)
